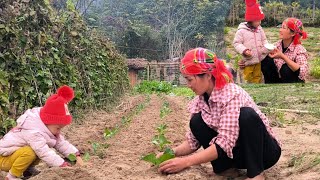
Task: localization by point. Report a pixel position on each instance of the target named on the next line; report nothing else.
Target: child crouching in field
(37, 131)
(249, 42)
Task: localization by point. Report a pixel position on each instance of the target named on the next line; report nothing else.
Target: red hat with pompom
(55, 111)
(253, 11)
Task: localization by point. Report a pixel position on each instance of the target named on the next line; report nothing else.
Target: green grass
(183, 91)
(280, 96)
(287, 96)
(300, 97)
(315, 68)
(150, 87)
(304, 161)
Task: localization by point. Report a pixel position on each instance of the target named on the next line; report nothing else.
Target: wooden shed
(134, 66)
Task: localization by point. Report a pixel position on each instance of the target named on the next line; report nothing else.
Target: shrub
(153, 87)
(41, 50)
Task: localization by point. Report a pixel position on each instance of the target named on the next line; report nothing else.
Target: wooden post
(148, 72)
(133, 77)
(165, 76)
(158, 72)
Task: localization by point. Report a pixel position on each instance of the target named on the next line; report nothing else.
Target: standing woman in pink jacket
(249, 41)
(38, 131)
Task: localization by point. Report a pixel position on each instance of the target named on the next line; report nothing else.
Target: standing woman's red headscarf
(199, 61)
(296, 26)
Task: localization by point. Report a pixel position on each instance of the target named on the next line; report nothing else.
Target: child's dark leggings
(271, 75)
(255, 149)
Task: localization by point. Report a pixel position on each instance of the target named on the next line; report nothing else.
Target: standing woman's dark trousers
(270, 72)
(255, 149)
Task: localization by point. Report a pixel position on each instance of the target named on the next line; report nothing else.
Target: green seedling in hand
(152, 158)
(72, 158)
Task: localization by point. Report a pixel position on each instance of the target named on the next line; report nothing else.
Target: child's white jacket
(31, 131)
(252, 39)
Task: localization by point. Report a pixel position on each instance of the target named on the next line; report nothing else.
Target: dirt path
(121, 159)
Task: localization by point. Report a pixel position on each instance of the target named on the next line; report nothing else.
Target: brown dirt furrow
(121, 159)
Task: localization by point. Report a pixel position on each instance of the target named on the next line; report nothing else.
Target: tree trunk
(169, 26)
(314, 11)
(233, 14)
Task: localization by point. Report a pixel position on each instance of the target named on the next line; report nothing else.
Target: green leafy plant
(183, 91)
(165, 110)
(86, 156)
(110, 132)
(280, 117)
(153, 87)
(160, 140)
(98, 149)
(6, 125)
(72, 158)
(152, 158)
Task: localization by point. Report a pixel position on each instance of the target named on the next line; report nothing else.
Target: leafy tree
(278, 10)
(159, 29)
(41, 50)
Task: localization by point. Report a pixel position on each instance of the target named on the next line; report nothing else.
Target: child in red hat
(225, 121)
(37, 131)
(249, 42)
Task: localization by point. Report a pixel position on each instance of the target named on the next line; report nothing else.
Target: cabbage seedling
(152, 158)
(72, 158)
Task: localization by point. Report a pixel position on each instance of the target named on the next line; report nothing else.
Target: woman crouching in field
(225, 122)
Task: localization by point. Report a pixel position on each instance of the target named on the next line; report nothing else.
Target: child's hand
(79, 161)
(247, 53)
(65, 164)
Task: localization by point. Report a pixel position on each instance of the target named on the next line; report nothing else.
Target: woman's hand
(241, 64)
(276, 53)
(174, 165)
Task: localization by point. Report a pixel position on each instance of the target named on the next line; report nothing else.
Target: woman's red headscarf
(296, 26)
(200, 61)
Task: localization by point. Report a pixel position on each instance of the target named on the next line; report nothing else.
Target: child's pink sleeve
(238, 42)
(64, 147)
(39, 145)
